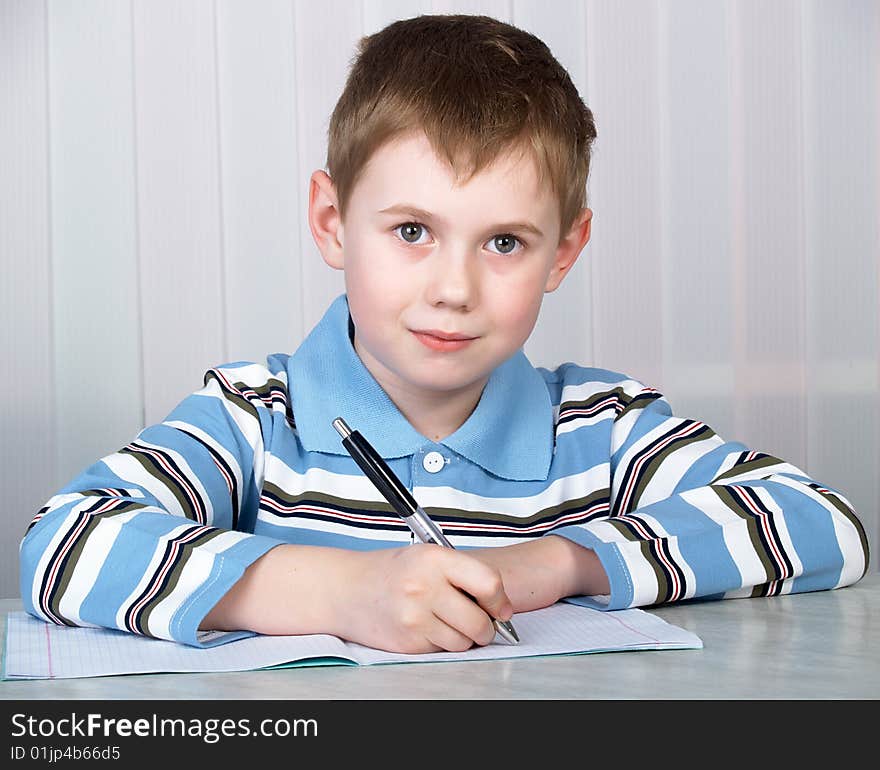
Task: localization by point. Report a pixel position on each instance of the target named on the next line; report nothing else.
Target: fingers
(482, 582)
(435, 598)
(446, 638)
(457, 625)
(478, 599)
(464, 623)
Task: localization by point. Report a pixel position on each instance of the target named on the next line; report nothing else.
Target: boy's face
(444, 282)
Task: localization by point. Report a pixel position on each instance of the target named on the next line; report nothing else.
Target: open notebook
(38, 650)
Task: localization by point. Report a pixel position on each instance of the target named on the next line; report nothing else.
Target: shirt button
(433, 462)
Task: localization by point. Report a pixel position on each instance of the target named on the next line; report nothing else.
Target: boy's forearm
(286, 591)
(294, 589)
(540, 572)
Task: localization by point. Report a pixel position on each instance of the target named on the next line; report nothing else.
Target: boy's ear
(569, 249)
(324, 219)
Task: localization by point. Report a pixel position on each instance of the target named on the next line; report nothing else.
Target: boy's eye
(411, 232)
(414, 233)
(504, 243)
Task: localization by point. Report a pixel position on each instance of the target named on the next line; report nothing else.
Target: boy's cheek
(523, 316)
(377, 285)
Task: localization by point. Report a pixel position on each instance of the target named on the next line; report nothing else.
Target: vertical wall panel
(841, 124)
(27, 458)
(694, 200)
(627, 309)
(263, 194)
(94, 237)
(500, 9)
(766, 148)
(326, 35)
(569, 307)
(181, 260)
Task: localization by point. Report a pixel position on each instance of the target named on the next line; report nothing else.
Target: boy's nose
(453, 280)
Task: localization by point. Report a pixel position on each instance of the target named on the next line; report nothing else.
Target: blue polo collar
(509, 434)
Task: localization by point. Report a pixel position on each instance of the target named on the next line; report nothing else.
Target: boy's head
(458, 158)
(476, 87)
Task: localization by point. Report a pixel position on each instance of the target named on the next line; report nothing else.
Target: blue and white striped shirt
(149, 538)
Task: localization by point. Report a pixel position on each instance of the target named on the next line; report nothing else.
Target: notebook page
(36, 650)
(39, 650)
(558, 630)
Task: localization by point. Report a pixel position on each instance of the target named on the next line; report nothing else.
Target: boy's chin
(440, 383)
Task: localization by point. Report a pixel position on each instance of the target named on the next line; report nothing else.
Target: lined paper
(39, 650)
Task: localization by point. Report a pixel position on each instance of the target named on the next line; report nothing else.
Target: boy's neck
(439, 415)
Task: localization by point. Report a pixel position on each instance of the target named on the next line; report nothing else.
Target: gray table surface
(818, 645)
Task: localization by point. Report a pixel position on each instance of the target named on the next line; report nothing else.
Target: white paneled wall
(154, 166)
(28, 460)
(94, 299)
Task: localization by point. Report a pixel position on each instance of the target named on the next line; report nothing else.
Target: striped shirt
(149, 538)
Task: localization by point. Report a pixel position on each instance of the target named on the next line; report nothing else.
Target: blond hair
(477, 87)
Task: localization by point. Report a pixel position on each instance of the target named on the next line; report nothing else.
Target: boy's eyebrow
(404, 209)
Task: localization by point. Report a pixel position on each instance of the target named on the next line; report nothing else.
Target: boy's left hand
(540, 572)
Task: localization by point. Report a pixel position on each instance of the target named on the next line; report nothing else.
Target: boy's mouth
(441, 340)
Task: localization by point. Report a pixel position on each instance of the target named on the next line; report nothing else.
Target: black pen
(392, 489)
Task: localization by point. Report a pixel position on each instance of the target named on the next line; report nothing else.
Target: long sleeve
(693, 516)
(149, 538)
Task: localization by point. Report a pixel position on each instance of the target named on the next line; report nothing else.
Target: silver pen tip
(341, 428)
(506, 630)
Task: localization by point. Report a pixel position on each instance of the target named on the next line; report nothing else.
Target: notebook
(38, 650)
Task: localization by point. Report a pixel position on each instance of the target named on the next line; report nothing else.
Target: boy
(458, 157)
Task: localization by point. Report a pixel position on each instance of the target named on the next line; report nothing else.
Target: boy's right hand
(412, 599)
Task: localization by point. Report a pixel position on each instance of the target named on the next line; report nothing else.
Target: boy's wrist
(581, 571)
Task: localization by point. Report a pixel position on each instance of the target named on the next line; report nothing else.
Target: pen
(402, 501)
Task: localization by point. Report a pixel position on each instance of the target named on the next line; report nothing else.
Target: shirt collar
(509, 434)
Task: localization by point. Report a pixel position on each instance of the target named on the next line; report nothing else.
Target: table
(820, 645)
